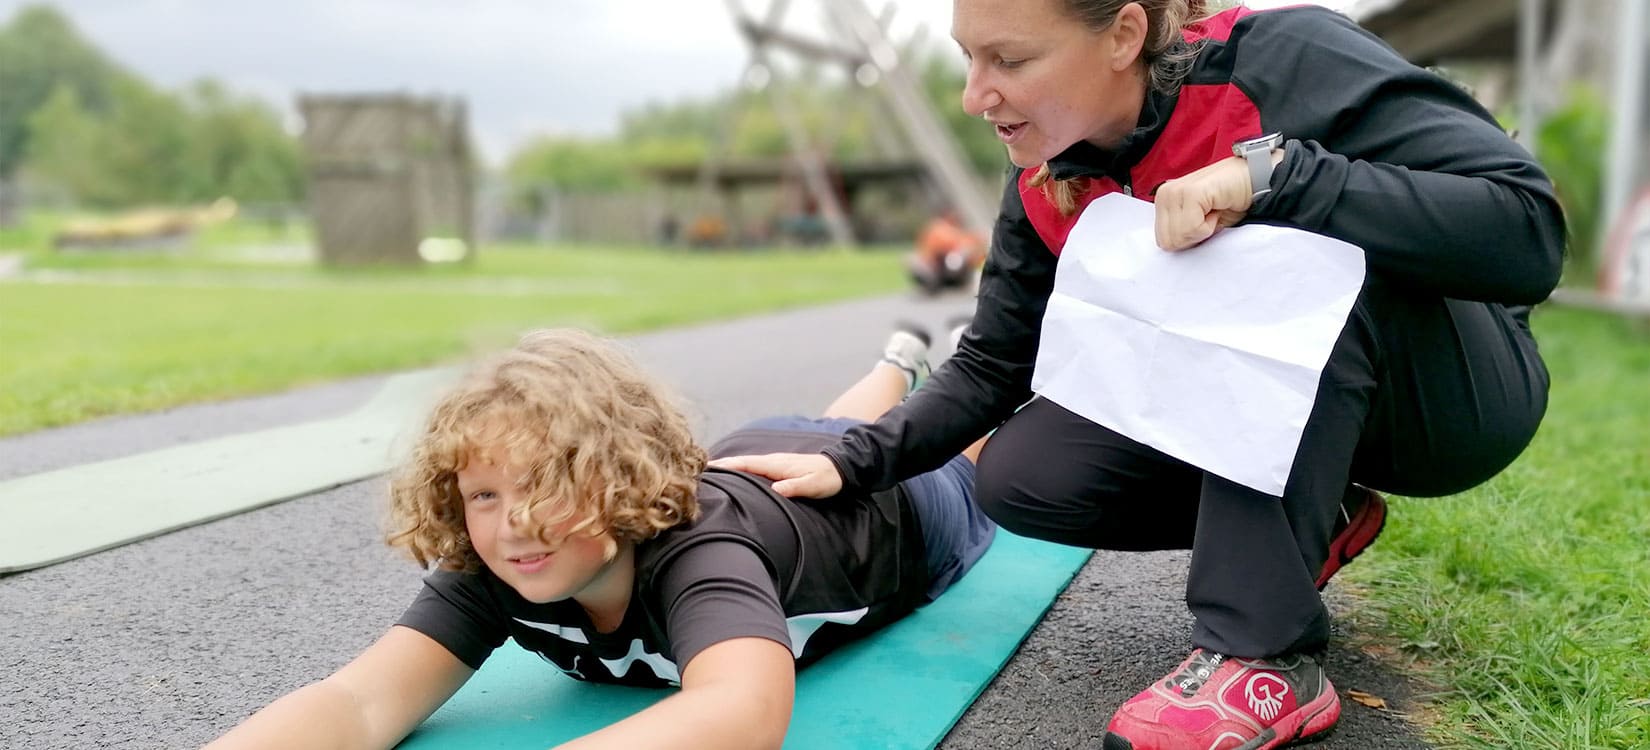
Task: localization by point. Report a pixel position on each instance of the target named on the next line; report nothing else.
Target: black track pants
(1422, 396)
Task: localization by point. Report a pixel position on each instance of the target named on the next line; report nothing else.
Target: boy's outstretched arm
(735, 694)
(371, 702)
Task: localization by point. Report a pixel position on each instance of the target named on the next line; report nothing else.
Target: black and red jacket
(1378, 152)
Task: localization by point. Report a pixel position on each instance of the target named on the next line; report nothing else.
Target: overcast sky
(525, 66)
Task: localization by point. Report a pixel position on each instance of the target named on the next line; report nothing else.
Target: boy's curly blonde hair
(594, 437)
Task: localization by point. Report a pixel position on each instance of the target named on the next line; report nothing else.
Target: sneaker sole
(1321, 718)
(1356, 538)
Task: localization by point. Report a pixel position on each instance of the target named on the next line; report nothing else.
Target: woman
(1433, 386)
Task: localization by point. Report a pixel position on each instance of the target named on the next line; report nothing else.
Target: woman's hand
(1190, 209)
(794, 474)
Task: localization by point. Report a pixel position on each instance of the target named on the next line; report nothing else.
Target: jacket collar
(1084, 159)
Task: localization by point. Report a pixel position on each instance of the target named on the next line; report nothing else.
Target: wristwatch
(1258, 152)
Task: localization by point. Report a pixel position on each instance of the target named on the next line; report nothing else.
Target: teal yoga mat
(903, 687)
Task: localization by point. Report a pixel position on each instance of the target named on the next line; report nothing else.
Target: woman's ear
(1128, 36)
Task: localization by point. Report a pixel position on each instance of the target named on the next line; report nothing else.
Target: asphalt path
(167, 642)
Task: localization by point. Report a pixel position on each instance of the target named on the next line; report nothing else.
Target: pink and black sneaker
(1361, 521)
(1218, 702)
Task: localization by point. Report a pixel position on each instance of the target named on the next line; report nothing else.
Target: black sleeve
(1396, 160)
(715, 591)
(979, 386)
(456, 611)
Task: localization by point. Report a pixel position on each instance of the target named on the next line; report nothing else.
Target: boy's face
(565, 566)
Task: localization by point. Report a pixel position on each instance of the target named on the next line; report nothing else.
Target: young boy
(565, 504)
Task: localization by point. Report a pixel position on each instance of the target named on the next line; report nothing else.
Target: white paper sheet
(1211, 355)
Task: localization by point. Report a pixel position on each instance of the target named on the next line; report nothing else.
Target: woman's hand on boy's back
(793, 474)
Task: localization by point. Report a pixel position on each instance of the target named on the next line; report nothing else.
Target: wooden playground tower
(389, 178)
(858, 42)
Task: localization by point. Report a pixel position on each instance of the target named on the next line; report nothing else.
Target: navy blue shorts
(955, 532)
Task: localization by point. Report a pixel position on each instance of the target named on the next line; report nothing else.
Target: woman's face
(1044, 80)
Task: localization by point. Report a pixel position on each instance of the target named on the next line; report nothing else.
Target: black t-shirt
(808, 574)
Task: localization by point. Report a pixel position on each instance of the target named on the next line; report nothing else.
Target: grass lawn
(143, 331)
(1526, 602)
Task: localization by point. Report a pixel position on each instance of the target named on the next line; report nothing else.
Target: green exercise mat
(903, 687)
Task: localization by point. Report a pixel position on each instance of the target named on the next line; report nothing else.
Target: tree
(40, 51)
(1572, 142)
(133, 153)
(237, 148)
(154, 147)
(741, 123)
(68, 154)
(942, 81)
(145, 144)
(569, 163)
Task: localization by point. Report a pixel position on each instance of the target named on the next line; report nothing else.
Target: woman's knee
(1463, 391)
(1048, 473)
(1025, 502)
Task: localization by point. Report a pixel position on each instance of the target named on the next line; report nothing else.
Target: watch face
(1268, 142)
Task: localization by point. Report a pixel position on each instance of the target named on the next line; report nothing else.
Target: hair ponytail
(1061, 193)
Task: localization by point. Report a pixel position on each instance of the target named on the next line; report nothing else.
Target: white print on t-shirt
(662, 667)
(800, 628)
(803, 627)
(567, 634)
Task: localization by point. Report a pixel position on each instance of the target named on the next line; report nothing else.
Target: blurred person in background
(947, 255)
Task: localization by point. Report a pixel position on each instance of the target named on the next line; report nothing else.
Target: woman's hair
(594, 438)
(1167, 55)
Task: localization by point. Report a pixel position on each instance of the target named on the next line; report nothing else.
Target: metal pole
(815, 178)
(1624, 157)
(812, 163)
(929, 135)
(1529, 39)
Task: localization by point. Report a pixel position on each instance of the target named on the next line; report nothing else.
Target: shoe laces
(1197, 672)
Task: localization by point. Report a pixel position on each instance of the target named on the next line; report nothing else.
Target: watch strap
(1260, 170)
(1257, 153)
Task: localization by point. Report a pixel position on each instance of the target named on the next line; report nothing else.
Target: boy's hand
(794, 474)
